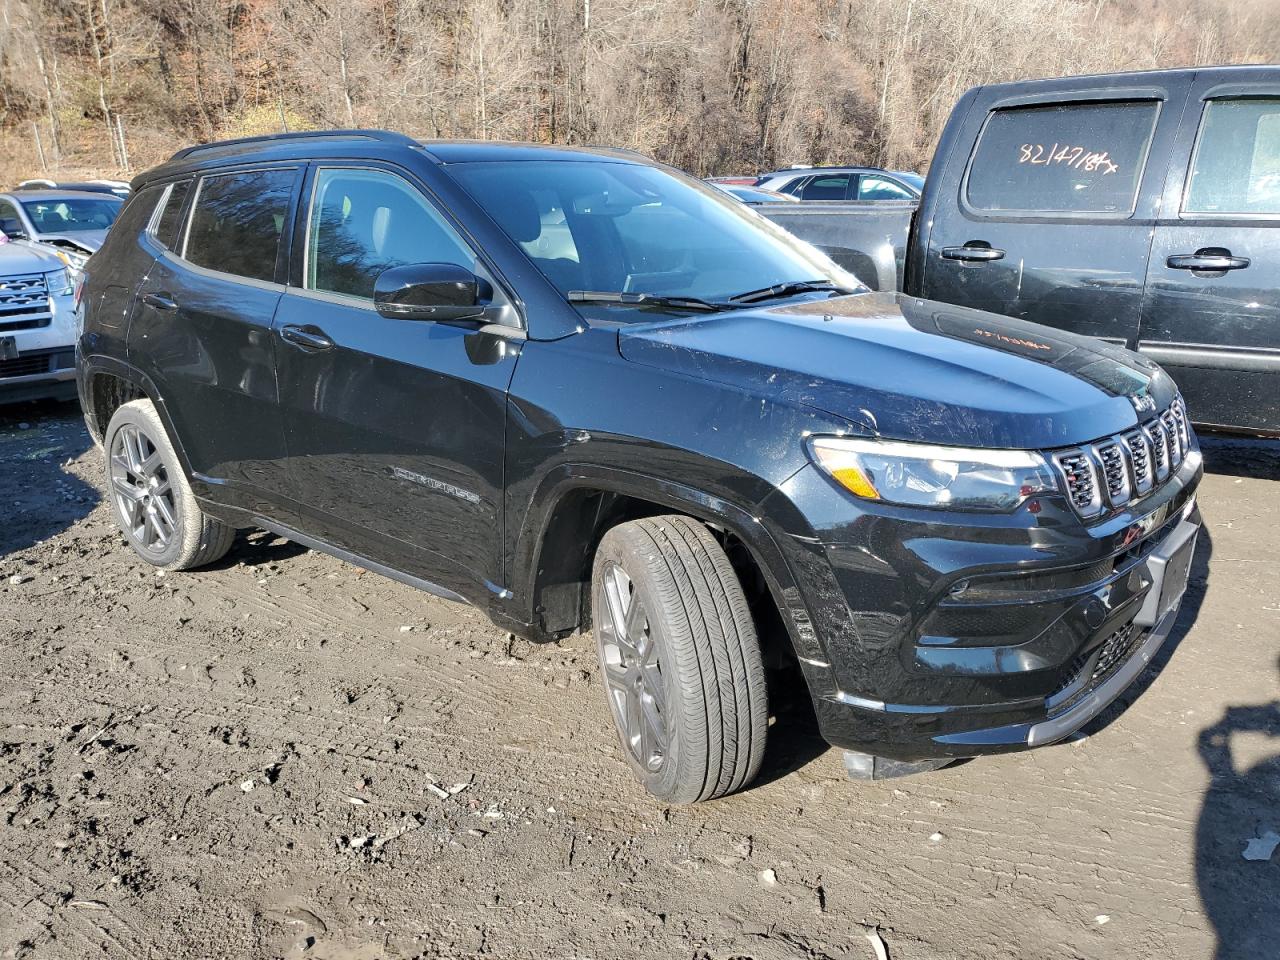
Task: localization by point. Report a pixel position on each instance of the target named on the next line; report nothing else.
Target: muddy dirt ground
(283, 756)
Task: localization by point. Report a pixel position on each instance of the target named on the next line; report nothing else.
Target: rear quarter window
(1073, 158)
(166, 224)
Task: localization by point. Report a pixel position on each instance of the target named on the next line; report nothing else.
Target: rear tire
(680, 659)
(151, 498)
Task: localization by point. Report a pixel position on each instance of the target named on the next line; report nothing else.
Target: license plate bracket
(1170, 568)
(1176, 574)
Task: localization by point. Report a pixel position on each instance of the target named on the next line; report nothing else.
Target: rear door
(201, 328)
(1047, 215)
(1212, 310)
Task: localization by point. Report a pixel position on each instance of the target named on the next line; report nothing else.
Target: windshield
(72, 214)
(630, 228)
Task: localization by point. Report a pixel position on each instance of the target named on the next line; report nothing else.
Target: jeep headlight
(58, 283)
(922, 475)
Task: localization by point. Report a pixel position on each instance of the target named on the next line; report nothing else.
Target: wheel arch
(577, 504)
(107, 384)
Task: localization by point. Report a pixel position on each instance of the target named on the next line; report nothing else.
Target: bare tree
(710, 85)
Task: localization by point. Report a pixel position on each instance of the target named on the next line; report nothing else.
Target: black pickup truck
(579, 389)
(1139, 208)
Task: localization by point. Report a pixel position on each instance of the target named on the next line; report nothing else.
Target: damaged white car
(72, 222)
(37, 325)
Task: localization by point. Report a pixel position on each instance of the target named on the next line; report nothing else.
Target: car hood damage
(910, 369)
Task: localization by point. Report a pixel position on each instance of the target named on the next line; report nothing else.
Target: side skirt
(356, 560)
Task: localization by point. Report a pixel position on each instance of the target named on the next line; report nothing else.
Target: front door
(1055, 203)
(395, 428)
(1212, 311)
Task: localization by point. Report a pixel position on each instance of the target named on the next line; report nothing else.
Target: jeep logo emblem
(1143, 403)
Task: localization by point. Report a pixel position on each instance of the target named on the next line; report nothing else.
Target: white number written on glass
(1066, 154)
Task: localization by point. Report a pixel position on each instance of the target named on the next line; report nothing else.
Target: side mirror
(12, 228)
(430, 291)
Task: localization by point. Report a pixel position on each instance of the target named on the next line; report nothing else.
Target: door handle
(308, 337)
(1208, 259)
(161, 301)
(975, 251)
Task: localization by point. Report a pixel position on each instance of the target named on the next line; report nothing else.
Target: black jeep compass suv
(576, 388)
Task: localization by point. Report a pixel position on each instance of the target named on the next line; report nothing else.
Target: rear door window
(1073, 158)
(237, 221)
(1237, 160)
(832, 187)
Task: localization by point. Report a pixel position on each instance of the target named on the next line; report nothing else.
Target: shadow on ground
(1236, 857)
(38, 498)
(1237, 864)
(1241, 456)
(258, 548)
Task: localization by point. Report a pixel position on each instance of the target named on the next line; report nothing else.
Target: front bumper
(44, 366)
(951, 636)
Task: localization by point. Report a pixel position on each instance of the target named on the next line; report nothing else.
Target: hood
(910, 369)
(86, 240)
(19, 258)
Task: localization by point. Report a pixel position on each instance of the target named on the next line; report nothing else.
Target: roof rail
(384, 135)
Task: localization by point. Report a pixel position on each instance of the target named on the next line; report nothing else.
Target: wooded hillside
(715, 86)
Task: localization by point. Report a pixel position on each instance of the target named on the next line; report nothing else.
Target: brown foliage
(715, 86)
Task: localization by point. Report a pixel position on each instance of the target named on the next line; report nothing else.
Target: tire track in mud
(1032, 848)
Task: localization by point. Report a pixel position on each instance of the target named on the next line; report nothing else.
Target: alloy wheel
(143, 494)
(632, 667)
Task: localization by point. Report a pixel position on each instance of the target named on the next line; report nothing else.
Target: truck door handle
(161, 301)
(1208, 259)
(308, 337)
(975, 251)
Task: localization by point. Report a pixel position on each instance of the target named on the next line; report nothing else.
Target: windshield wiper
(787, 289)
(646, 300)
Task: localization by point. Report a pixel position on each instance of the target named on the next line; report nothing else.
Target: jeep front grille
(1082, 487)
(1115, 472)
(1105, 475)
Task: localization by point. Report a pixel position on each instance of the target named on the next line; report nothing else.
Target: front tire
(151, 498)
(680, 659)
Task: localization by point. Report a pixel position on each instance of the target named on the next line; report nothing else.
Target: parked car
(754, 195)
(1139, 208)
(676, 425)
(72, 221)
(117, 188)
(844, 183)
(37, 325)
(867, 238)
(737, 181)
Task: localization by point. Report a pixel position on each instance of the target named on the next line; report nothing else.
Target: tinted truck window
(1237, 163)
(1063, 158)
(237, 221)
